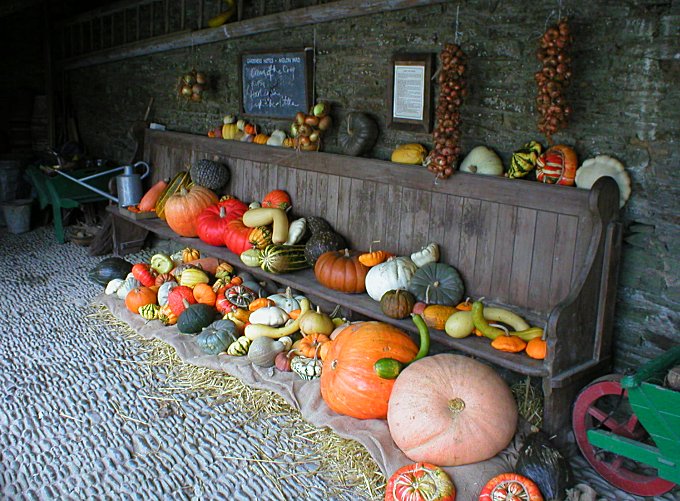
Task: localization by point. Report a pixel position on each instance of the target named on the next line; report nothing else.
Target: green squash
(317, 224)
(217, 337)
(108, 269)
(195, 317)
(321, 242)
(209, 174)
(437, 283)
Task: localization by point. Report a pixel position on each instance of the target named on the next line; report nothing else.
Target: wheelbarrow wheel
(604, 404)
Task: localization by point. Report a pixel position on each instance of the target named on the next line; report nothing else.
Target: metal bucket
(9, 180)
(17, 215)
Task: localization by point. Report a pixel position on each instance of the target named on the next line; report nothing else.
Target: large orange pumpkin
(341, 271)
(451, 410)
(139, 296)
(183, 208)
(349, 384)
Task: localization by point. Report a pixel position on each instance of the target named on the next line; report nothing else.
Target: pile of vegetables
(308, 128)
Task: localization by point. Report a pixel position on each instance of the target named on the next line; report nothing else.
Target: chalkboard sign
(275, 84)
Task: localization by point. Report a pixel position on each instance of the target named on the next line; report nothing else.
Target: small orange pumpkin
(139, 296)
(537, 348)
(204, 294)
(374, 258)
(436, 315)
(261, 139)
(260, 302)
(311, 344)
(190, 254)
(511, 344)
(277, 199)
(250, 129)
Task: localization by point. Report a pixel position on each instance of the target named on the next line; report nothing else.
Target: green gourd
(108, 269)
(209, 174)
(217, 337)
(195, 317)
(437, 283)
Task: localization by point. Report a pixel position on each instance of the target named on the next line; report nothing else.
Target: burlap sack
(306, 397)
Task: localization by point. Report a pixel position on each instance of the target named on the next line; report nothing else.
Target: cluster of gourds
(241, 130)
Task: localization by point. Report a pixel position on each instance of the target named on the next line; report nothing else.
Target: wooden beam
(333, 11)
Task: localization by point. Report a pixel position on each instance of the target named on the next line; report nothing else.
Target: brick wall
(625, 99)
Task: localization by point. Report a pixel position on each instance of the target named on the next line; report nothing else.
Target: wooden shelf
(362, 304)
(328, 12)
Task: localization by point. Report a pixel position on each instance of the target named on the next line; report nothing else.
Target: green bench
(63, 193)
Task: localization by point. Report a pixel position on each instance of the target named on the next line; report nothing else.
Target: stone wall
(625, 99)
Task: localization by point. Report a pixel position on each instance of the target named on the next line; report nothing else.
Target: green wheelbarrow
(628, 428)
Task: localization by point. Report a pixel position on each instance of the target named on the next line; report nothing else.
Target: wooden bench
(62, 193)
(547, 252)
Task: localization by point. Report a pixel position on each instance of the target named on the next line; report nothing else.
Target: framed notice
(275, 84)
(410, 93)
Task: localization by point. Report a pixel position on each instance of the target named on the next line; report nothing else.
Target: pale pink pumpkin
(451, 410)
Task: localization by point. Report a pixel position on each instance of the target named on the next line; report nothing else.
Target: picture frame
(275, 84)
(409, 92)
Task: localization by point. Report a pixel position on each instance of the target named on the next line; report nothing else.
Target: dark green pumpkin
(317, 224)
(217, 337)
(195, 317)
(437, 283)
(397, 303)
(209, 174)
(358, 134)
(108, 269)
(540, 461)
(321, 242)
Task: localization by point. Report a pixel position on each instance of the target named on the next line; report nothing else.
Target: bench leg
(58, 224)
(127, 237)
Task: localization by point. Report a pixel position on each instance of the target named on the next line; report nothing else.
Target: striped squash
(260, 237)
(283, 258)
(181, 180)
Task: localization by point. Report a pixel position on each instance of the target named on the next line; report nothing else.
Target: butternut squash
(263, 216)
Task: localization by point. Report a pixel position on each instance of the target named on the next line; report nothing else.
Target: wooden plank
(503, 256)
(321, 193)
(343, 221)
(301, 189)
(407, 203)
(332, 200)
(563, 260)
(421, 221)
(542, 261)
(292, 19)
(451, 246)
(358, 216)
(389, 241)
(469, 234)
(361, 303)
(436, 231)
(486, 247)
(495, 189)
(522, 256)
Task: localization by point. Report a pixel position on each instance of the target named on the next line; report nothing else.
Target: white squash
(395, 273)
(263, 350)
(164, 292)
(601, 166)
(277, 138)
(296, 230)
(482, 160)
(113, 286)
(269, 315)
(129, 284)
(428, 254)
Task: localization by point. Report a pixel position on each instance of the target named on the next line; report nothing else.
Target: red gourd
(177, 297)
(143, 273)
(420, 482)
(277, 199)
(349, 383)
(451, 410)
(212, 222)
(236, 236)
(148, 201)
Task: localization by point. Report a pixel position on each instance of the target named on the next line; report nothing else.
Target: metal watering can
(128, 184)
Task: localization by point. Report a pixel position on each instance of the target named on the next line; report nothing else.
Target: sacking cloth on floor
(305, 396)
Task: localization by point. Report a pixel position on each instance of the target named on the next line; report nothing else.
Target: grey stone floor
(67, 381)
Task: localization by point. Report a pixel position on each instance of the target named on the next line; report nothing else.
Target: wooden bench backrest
(514, 242)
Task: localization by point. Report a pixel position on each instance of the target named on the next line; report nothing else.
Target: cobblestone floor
(80, 417)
